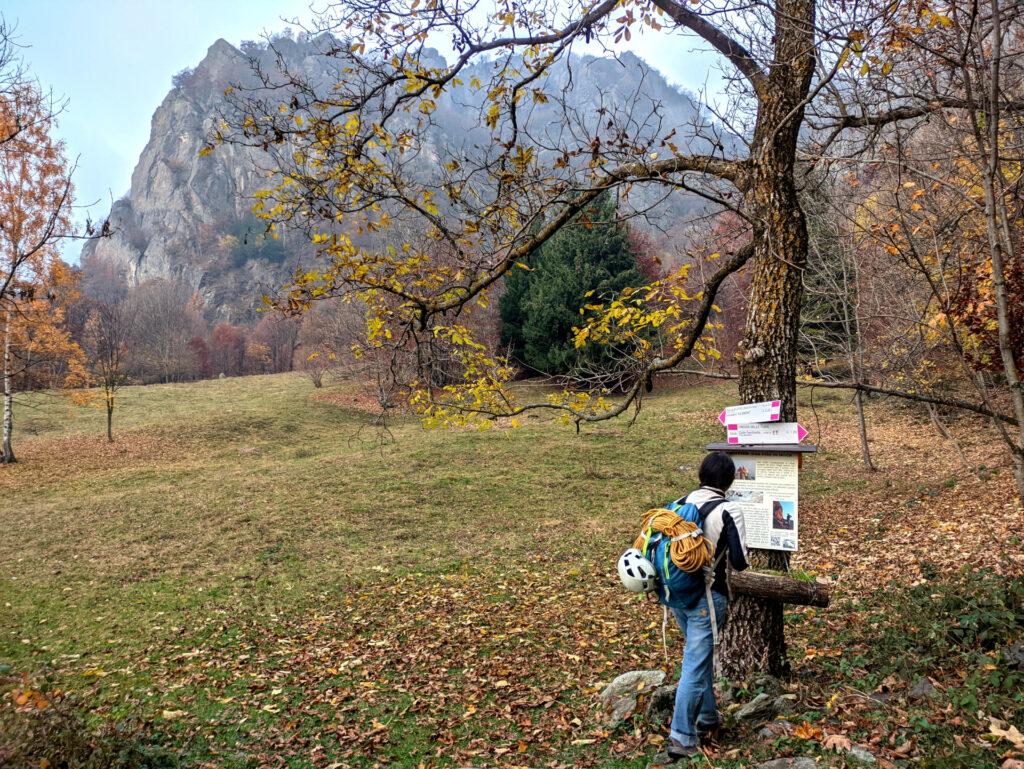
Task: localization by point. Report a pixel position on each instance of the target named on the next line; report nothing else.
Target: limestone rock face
(174, 220)
(188, 218)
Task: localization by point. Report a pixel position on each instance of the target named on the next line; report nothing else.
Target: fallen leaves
(30, 698)
(500, 668)
(808, 731)
(1003, 731)
(837, 742)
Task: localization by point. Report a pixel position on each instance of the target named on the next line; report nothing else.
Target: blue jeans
(695, 697)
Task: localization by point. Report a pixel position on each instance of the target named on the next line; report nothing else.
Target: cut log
(777, 588)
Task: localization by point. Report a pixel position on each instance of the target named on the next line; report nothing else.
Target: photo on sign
(788, 544)
(746, 469)
(783, 515)
(745, 496)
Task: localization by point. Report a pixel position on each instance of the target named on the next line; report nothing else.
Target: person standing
(696, 712)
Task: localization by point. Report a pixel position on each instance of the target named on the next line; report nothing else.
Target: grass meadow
(256, 573)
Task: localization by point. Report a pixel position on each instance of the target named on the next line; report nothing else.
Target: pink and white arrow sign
(767, 411)
(765, 432)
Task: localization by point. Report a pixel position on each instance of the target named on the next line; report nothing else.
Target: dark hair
(717, 470)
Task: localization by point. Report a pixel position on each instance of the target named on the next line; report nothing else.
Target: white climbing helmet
(636, 572)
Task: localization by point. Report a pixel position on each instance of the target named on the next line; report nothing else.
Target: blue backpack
(678, 588)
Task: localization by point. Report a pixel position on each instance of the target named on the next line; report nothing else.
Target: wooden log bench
(774, 587)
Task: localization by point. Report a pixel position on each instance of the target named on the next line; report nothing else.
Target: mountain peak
(222, 48)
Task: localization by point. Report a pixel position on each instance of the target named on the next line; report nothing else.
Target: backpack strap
(709, 507)
(674, 506)
(709, 576)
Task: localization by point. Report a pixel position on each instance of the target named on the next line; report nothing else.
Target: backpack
(678, 588)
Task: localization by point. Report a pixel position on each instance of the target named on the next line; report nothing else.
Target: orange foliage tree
(944, 206)
(35, 202)
(39, 350)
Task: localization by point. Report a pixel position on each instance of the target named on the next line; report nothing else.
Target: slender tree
(35, 188)
(39, 352)
(35, 201)
(941, 195)
(107, 334)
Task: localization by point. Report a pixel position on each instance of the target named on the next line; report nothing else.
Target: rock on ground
(619, 697)
(775, 729)
(788, 763)
(1014, 655)
(922, 690)
(863, 755)
(661, 704)
(762, 706)
(784, 705)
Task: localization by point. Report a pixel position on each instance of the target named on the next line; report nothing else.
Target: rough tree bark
(754, 638)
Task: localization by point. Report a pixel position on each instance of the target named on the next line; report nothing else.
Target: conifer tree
(593, 255)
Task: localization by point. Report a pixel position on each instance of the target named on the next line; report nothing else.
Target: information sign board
(766, 492)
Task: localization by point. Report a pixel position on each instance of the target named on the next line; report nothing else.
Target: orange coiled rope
(688, 548)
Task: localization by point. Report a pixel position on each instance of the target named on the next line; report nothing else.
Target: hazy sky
(113, 61)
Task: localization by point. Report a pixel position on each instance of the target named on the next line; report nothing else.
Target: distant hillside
(188, 218)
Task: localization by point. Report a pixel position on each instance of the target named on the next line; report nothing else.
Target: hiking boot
(676, 751)
(708, 731)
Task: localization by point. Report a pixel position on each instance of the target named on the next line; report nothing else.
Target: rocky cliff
(188, 218)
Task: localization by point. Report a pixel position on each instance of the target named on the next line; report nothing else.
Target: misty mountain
(188, 218)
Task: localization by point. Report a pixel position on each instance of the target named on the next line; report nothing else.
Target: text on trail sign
(765, 433)
(767, 411)
(766, 491)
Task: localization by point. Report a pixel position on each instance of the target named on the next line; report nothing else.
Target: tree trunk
(7, 456)
(945, 434)
(999, 231)
(865, 449)
(855, 352)
(110, 418)
(754, 638)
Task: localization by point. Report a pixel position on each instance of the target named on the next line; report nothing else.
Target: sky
(112, 61)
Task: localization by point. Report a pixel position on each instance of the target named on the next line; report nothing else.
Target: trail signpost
(763, 433)
(767, 411)
(768, 455)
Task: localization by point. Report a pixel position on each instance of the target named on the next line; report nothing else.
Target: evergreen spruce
(542, 303)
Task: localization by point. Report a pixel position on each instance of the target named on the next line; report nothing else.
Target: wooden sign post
(768, 456)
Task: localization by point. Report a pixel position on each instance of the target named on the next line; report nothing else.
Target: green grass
(248, 496)
(297, 581)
